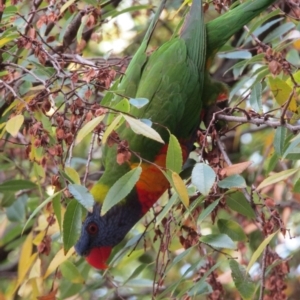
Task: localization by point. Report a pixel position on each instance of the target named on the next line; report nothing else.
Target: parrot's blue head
(99, 234)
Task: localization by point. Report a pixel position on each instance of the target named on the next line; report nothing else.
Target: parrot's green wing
(130, 81)
(172, 80)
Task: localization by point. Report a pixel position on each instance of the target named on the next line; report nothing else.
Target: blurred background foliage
(59, 57)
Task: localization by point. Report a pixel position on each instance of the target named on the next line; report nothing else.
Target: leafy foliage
(223, 218)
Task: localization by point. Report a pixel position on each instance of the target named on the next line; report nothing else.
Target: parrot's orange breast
(152, 182)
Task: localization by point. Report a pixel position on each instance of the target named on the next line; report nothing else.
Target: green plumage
(175, 80)
(174, 100)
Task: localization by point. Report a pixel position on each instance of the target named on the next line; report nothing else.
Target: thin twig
(26, 71)
(258, 122)
(286, 105)
(263, 273)
(224, 154)
(87, 166)
(14, 93)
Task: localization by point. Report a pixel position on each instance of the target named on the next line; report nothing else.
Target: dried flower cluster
(275, 285)
(276, 61)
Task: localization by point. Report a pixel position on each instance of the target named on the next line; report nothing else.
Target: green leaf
(70, 272)
(271, 162)
(7, 199)
(6, 56)
(66, 176)
(237, 202)
(37, 210)
(166, 209)
(3, 73)
(72, 174)
(194, 204)
(180, 257)
(39, 171)
(107, 100)
(71, 224)
(94, 3)
(14, 124)
(241, 65)
(147, 122)
(294, 154)
(25, 87)
(17, 211)
(136, 272)
(279, 140)
(279, 32)
(141, 128)
(260, 250)
(259, 75)
(114, 13)
(6, 39)
(242, 54)
(12, 234)
(294, 143)
(10, 11)
(255, 98)
(112, 126)
(263, 28)
(202, 288)
(180, 188)
(296, 188)
(138, 102)
(174, 155)
(233, 181)
(82, 195)
(84, 20)
(242, 280)
(120, 106)
(274, 178)
(17, 185)
(66, 5)
(218, 241)
(88, 128)
(261, 22)
(206, 212)
(57, 209)
(296, 77)
(293, 57)
(121, 188)
(203, 178)
(232, 229)
(281, 92)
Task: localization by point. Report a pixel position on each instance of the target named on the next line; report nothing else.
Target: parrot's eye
(92, 228)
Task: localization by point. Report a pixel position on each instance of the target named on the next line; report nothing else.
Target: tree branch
(258, 121)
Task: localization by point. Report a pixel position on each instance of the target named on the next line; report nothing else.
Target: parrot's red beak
(98, 256)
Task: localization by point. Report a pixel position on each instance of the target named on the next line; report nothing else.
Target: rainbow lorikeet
(175, 80)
